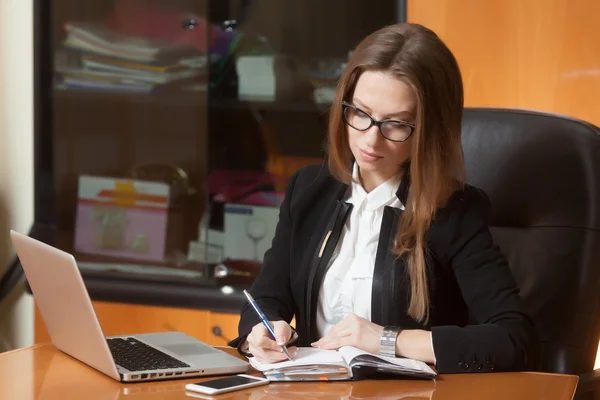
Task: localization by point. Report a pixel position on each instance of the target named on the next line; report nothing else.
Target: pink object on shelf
(141, 18)
(232, 186)
(263, 199)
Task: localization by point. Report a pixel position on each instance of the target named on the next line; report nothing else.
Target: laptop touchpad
(188, 349)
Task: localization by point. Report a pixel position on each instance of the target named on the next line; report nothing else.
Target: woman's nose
(372, 135)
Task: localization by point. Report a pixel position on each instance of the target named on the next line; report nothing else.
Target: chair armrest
(588, 387)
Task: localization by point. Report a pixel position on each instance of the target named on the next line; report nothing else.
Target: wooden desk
(44, 373)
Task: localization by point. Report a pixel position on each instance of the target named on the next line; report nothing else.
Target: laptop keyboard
(134, 355)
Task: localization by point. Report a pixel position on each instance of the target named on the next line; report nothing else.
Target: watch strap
(387, 343)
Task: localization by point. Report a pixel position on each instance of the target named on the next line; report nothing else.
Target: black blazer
(477, 317)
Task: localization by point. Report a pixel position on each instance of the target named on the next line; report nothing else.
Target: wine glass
(256, 229)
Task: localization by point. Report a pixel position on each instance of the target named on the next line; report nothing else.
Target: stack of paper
(93, 56)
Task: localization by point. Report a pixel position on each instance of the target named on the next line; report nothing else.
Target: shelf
(154, 288)
(143, 272)
(190, 295)
(185, 98)
(267, 104)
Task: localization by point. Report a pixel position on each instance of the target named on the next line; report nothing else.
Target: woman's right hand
(264, 348)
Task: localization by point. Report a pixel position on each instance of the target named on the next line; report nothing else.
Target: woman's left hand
(352, 331)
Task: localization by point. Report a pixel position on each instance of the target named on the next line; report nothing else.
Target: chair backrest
(542, 174)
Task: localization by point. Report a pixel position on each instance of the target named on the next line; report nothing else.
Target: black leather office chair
(542, 174)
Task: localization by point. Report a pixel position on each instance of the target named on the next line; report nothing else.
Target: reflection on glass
(138, 47)
(185, 109)
(129, 168)
(256, 229)
(269, 94)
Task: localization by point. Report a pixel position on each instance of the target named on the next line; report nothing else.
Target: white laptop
(68, 313)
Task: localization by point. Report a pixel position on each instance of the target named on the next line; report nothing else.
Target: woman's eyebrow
(403, 115)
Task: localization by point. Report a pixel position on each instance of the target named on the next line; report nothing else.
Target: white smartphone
(227, 384)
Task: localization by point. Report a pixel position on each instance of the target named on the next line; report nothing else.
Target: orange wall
(537, 54)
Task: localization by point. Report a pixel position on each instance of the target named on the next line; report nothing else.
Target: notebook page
(304, 356)
(349, 353)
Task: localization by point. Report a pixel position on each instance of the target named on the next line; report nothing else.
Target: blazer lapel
(390, 296)
(316, 255)
(389, 270)
(320, 263)
(385, 271)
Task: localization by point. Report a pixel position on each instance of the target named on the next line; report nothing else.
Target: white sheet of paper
(304, 356)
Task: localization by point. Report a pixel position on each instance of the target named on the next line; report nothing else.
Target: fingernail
(280, 340)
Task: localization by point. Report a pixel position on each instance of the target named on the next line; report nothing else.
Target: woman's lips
(367, 156)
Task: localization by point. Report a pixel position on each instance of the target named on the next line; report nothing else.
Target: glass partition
(176, 124)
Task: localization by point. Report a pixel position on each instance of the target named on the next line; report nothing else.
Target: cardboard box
(121, 218)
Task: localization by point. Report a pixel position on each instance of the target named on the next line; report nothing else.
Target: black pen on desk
(265, 322)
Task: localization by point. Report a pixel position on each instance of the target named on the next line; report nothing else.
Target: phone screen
(228, 382)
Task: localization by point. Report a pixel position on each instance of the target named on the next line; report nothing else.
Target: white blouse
(347, 285)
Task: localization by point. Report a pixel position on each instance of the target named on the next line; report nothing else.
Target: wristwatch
(387, 343)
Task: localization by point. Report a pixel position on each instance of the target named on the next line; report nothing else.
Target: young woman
(386, 248)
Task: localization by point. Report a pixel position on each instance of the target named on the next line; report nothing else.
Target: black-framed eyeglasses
(393, 130)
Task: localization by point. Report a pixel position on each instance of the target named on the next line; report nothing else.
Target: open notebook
(346, 363)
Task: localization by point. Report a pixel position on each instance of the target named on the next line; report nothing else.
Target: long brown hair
(435, 168)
